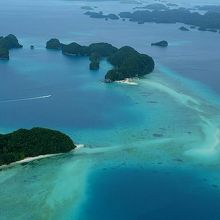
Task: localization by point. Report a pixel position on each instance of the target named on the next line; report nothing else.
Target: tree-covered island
(7, 43)
(126, 61)
(34, 142)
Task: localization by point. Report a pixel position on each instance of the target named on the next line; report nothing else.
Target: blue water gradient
(155, 194)
(169, 120)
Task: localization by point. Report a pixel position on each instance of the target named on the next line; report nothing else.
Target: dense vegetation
(103, 49)
(126, 61)
(29, 143)
(74, 49)
(54, 44)
(7, 43)
(95, 60)
(207, 21)
(4, 53)
(129, 63)
(161, 13)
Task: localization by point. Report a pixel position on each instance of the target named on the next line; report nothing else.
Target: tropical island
(25, 143)
(54, 44)
(160, 13)
(126, 61)
(207, 21)
(7, 43)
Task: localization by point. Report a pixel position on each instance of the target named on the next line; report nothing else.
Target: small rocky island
(162, 43)
(100, 14)
(126, 61)
(7, 43)
(24, 143)
(54, 44)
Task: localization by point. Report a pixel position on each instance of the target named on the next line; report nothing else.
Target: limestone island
(126, 61)
(25, 143)
(208, 20)
(95, 60)
(162, 43)
(54, 44)
(7, 43)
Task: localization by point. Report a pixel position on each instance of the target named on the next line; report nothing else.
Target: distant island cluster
(170, 14)
(24, 143)
(126, 61)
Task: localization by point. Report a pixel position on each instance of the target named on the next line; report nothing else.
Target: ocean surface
(151, 149)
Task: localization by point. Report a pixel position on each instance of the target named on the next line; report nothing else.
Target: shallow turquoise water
(151, 141)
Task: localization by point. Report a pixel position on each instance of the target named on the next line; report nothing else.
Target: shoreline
(27, 160)
(39, 157)
(127, 81)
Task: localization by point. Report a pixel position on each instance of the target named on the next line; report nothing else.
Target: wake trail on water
(26, 99)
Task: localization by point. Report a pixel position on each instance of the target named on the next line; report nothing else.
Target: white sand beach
(128, 82)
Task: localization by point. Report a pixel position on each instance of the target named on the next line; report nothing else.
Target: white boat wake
(26, 99)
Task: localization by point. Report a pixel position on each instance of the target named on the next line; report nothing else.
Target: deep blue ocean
(149, 194)
(152, 150)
